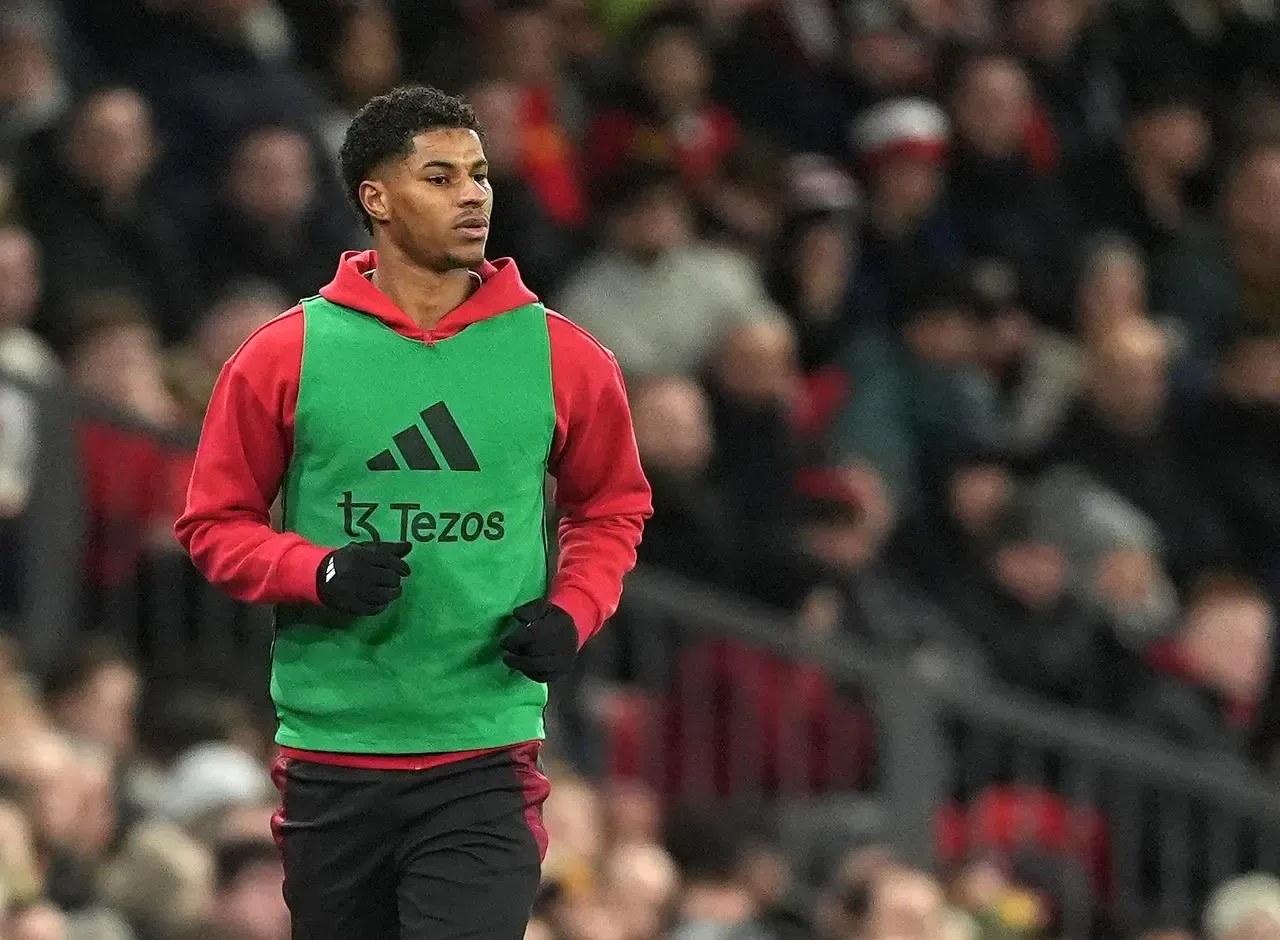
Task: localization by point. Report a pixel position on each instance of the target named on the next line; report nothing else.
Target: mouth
(476, 227)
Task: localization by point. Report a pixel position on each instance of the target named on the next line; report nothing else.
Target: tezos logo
(409, 522)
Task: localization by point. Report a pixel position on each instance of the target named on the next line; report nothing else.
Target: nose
(473, 193)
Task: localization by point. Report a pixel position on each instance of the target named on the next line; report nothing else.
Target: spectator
(1145, 186)
(22, 352)
(694, 296)
(193, 368)
(162, 881)
(362, 59)
(672, 118)
(1121, 433)
(816, 257)
(248, 903)
(34, 93)
(1069, 49)
(93, 696)
(902, 144)
(1234, 274)
(693, 527)
(97, 213)
(527, 50)
(115, 357)
(1242, 908)
(271, 222)
(1002, 206)
(522, 227)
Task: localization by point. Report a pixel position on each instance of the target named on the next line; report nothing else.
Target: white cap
(913, 124)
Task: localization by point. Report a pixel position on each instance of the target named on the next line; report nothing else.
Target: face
(978, 494)
(1129, 379)
(1228, 639)
(907, 186)
(103, 711)
(1047, 29)
(944, 337)
(111, 146)
(1252, 208)
(497, 105)
(272, 176)
(993, 107)
(1252, 372)
(122, 365)
(223, 332)
(19, 277)
(674, 70)
(906, 906)
(1177, 140)
(254, 904)
(658, 223)
(367, 61)
(434, 204)
(1033, 572)
(673, 426)
(529, 46)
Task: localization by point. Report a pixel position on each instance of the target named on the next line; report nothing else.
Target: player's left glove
(545, 644)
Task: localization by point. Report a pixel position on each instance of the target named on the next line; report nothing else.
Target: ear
(373, 197)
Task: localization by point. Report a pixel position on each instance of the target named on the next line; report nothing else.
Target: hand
(545, 644)
(362, 578)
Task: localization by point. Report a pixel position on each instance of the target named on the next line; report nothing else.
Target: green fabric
(426, 675)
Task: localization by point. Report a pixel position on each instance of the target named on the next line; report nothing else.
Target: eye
(437, 180)
(481, 177)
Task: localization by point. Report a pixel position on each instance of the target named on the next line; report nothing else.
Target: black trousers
(450, 852)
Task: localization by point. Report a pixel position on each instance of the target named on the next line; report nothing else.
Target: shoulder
(575, 345)
(276, 342)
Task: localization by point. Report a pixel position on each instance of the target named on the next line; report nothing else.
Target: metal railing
(712, 698)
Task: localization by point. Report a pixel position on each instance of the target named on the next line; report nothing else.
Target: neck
(424, 295)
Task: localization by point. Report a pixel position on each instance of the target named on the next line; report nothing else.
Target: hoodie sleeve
(244, 450)
(601, 491)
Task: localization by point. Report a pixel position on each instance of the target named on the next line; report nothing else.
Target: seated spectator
(1002, 206)
(103, 224)
(1144, 188)
(1244, 908)
(522, 228)
(816, 257)
(527, 50)
(193, 368)
(639, 886)
(1211, 283)
(1120, 433)
(161, 880)
(248, 902)
(1214, 670)
(93, 695)
(693, 527)
(115, 358)
(22, 352)
(34, 92)
(671, 117)
(1232, 440)
(272, 222)
(660, 299)
(907, 233)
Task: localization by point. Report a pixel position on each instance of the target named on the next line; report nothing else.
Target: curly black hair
(385, 127)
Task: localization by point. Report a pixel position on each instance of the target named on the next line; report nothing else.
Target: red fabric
(280, 777)
(1006, 817)
(386, 761)
(699, 150)
(549, 160)
(134, 487)
(823, 395)
(536, 789)
(742, 721)
(1042, 142)
(1167, 657)
(248, 437)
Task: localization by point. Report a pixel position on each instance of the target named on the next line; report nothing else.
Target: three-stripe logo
(413, 449)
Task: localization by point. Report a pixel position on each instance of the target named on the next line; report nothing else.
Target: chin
(470, 256)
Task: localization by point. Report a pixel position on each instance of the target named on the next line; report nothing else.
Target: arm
(601, 491)
(244, 451)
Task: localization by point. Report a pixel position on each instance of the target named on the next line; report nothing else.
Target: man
(414, 407)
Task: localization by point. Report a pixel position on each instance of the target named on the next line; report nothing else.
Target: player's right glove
(362, 578)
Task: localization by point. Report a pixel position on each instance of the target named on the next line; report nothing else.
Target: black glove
(362, 578)
(545, 644)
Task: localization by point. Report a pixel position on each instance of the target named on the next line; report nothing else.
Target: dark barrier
(706, 697)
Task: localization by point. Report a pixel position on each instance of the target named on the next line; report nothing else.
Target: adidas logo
(413, 449)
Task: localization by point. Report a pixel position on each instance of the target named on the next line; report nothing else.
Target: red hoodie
(247, 440)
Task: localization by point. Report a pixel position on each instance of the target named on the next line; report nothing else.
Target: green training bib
(444, 446)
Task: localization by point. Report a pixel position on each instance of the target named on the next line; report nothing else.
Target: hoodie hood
(500, 290)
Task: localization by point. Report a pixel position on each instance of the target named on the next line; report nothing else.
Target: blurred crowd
(953, 325)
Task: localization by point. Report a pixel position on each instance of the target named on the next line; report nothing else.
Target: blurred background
(952, 334)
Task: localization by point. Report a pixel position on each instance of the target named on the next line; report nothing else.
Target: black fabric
(362, 578)
(411, 854)
(545, 644)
